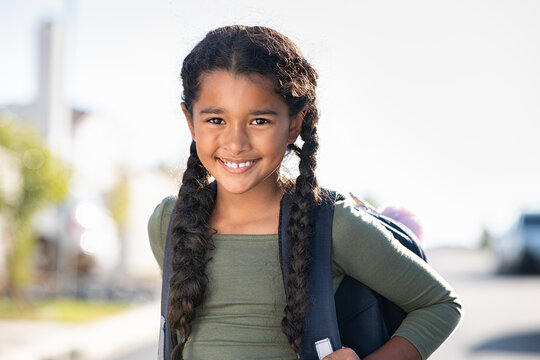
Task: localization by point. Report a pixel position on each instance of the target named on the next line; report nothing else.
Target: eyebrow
(218, 111)
(264, 112)
(211, 110)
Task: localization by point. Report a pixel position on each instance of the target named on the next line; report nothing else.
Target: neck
(253, 212)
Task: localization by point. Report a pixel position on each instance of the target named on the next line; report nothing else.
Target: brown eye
(259, 121)
(216, 121)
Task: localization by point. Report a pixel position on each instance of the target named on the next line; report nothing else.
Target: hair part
(245, 50)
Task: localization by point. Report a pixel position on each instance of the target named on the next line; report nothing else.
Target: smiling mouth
(238, 166)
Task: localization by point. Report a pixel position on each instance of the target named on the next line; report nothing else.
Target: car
(519, 248)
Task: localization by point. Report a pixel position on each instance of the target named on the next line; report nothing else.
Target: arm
(369, 253)
(397, 348)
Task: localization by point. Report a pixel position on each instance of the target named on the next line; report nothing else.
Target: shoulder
(345, 214)
(358, 237)
(158, 224)
(161, 214)
(349, 219)
(352, 226)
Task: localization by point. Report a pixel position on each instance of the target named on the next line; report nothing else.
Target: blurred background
(431, 106)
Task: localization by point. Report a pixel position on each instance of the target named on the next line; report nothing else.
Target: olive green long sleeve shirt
(241, 316)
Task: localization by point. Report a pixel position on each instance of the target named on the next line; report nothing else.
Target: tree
(118, 201)
(485, 238)
(30, 178)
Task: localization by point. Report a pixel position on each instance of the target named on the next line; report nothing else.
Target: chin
(234, 187)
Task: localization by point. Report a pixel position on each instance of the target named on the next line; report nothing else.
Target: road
(502, 313)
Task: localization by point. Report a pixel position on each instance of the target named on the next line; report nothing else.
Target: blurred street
(502, 319)
(104, 338)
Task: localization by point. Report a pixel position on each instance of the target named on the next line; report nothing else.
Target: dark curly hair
(244, 50)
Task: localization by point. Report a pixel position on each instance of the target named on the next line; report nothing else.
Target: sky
(430, 105)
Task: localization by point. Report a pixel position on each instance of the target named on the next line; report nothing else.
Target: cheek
(203, 138)
(205, 156)
(205, 146)
(276, 145)
(195, 132)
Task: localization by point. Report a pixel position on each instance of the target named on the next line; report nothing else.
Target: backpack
(355, 317)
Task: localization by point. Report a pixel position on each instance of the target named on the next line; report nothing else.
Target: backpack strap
(320, 322)
(167, 339)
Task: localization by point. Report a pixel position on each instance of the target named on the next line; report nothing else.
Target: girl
(248, 95)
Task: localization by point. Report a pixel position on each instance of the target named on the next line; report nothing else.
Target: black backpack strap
(167, 339)
(320, 322)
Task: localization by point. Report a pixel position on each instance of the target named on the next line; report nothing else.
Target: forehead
(224, 76)
(235, 91)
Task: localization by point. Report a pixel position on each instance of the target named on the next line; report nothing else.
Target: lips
(237, 166)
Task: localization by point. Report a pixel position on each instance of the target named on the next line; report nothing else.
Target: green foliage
(71, 310)
(30, 178)
(41, 178)
(485, 238)
(118, 200)
(19, 259)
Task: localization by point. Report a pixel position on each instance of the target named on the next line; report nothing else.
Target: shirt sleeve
(158, 225)
(365, 250)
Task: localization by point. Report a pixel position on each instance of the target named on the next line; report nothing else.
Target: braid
(305, 197)
(192, 245)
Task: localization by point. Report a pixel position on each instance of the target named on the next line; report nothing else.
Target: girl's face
(241, 128)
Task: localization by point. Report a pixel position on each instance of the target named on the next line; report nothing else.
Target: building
(96, 149)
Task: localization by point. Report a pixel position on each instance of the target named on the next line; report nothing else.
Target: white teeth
(238, 165)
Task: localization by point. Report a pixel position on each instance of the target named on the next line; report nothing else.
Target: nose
(236, 139)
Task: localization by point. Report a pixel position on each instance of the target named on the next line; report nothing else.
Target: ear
(296, 125)
(188, 119)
